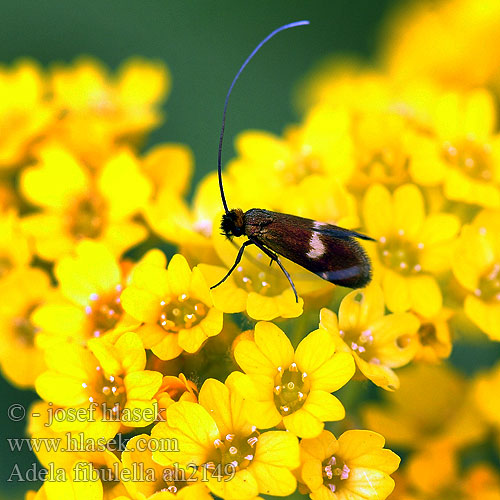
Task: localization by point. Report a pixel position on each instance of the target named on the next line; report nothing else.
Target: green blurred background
(203, 43)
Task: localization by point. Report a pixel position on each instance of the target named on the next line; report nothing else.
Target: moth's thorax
(233, 223)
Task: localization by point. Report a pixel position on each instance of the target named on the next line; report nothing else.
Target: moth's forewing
(329, 251)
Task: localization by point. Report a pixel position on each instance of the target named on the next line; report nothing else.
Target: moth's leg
(274, 257)
(236, 262)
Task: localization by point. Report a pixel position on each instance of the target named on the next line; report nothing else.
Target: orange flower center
(87, 217)
(427, 334)
(231, 454)
(104, 311)
(471, 158)
(489, 285)
(182, 312)
(24, 330)
(399, 254)
(291, 388)
(334, 472)
(6, 265)
(109, 393)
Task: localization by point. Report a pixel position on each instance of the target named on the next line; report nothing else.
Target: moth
(331, 252)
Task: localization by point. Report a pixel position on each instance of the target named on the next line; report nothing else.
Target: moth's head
(233, 223)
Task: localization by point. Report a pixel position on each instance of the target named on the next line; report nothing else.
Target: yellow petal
(252, 360)
(242, 485)
(324, 406)
(409, 211)
(179, 275)
(168, 347)
(60, 389)
(56, 182)
(142, 385)
(425, 295)
(378, 212)
(130, 351)
(140, 304)
(260, 307)
(314, 350)
(438, 228)
(278, 448)
(214, 397)
(191, 339)
(303, 424)
(195, 429)
(485, 316)
(274, 344)
(360, 308)
(123, 185)
(396, 292)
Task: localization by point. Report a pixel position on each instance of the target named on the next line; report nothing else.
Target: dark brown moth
(329, 251)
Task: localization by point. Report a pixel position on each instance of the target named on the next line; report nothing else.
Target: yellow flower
(21, 359)
(88, 305)
(433, 405)
(487, 397)
(435, 472)
(25, 113)
(293, 388)
(262, 291)
(434, 337)
(175, 389)
(77, 205)
(356, 465)
(412, 247)
(158, 482)
(231, 457)
(91, 475)
(377, 342)
(279, 167)
(170, 167)
(476, 265)
(107, 110)
(15, 252)
(190, 228)
(346, 82)
(175, 306)
(107, 383)
(463, 152)
(451, 42)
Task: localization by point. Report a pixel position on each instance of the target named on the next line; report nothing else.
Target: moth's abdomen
(331, 252)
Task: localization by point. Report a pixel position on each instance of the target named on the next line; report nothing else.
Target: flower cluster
(162, 387)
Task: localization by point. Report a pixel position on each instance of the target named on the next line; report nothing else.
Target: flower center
(399, 254)
(6, 265)
(334, 472)
(305, 164)
(25, 331)
(109, 393)
(387, 166)
(361, 342)
(259, 278)
(87, 217)
(471, 158)
(427, 334)
(489, 284)
(182, 312)
(104, 311)
(174, 479)
(231, 454)
(291, 388)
